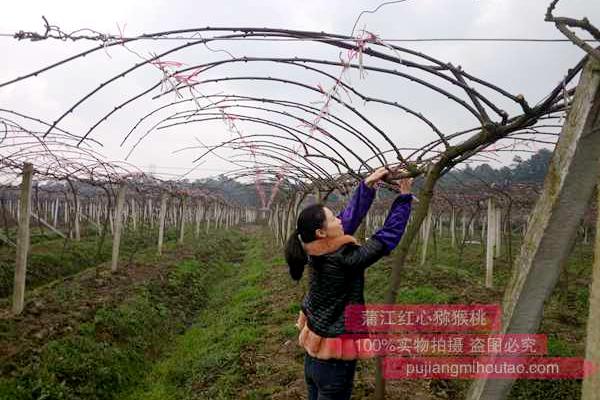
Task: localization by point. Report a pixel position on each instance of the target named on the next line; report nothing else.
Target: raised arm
(362, 198)
(395, 223)
(387, 238)
(384, 240)
(356, 209)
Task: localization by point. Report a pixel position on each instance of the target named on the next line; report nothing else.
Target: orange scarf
(322, 347)
(327, 245)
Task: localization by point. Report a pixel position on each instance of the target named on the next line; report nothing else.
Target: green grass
(205, 361)
(54, 258)
(99, 360)
(51, 260)
(448, 278)
(133, 353)
(422, 295)
(110, 354)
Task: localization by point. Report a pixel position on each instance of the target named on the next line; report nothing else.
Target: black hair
(309, 220)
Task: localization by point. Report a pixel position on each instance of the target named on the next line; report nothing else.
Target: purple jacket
(395, 222)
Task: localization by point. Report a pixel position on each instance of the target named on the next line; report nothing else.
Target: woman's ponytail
(295, 256)
(309, 220)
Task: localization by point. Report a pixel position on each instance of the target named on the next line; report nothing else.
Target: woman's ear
(320, 234)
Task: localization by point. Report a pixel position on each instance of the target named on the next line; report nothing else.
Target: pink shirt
(326, 348)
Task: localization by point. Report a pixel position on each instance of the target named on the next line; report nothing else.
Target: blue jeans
(329, 379)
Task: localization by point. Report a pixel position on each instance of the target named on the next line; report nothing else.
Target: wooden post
(568, 188)
(47, 225)
(426, 235)
(182, 221)
(472, 228)
(118, 226)
(77, 208)
(591, 384)
(150, 214)
(207, 219)
(219, 216)
(97, 208)
(174, 215)
(161, 221)
(276, 222)
(283, 226)
(111, 219)
(133, 214)
(197, 218)
(483, 229)
(66, 213)
(453, 228)
(22, 240)
(55, 218)
(498, 234)
(489, 253)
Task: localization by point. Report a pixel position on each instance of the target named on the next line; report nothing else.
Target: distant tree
(486, 172)
(534, 169)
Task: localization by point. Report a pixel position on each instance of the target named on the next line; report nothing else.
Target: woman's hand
(405, 185)
(376, 176)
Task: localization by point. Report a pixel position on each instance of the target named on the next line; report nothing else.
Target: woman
(337, 262)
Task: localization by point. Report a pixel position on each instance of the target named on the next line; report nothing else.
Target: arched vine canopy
(301, 108)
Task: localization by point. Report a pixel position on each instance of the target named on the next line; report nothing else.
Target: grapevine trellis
(133, 199)
(294, 146)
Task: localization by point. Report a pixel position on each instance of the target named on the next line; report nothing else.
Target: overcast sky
(531, 69)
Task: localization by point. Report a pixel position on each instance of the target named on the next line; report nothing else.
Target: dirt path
(276, 368)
